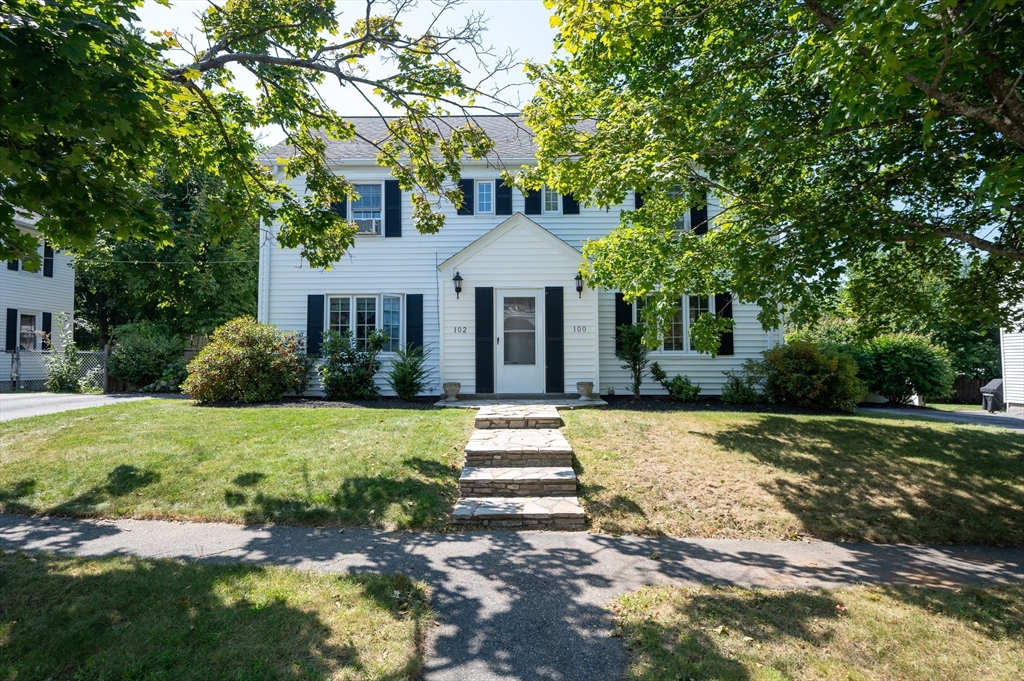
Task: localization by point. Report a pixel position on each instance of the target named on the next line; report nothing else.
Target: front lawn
(387, 468)
(883, 633)
(746, 475)
(128, 618)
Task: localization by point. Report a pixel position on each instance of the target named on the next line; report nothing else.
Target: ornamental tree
(830, 132)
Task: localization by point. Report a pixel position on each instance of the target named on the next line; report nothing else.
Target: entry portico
(519, 326)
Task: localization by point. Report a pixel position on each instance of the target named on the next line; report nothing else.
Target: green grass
(128, 618)
(747, 475)
(850, 634)
(386, 468)
(954, 407)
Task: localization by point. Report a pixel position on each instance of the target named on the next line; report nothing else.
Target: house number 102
(579, 329)
(460, 329)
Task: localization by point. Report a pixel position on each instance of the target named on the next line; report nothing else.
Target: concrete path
(1013, 419)
(524, 605)
(20, 405)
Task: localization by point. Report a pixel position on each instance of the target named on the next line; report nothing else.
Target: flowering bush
(246, 361)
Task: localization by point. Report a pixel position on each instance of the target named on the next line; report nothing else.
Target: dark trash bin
(992, 395)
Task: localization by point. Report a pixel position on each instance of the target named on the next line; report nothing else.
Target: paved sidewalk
(20, 405)
(524, 605)
(1013, 419)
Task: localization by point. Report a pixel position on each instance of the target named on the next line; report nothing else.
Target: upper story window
(367, 210)
(47, 263)
(361, 314)
(551, 201)
(484, 196)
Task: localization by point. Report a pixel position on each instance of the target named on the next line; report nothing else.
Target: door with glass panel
(520, 341)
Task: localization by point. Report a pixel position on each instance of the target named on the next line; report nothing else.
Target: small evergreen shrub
(633, 352)
(898, 366)
(806, 375)
(63, 368)
(346, 372)
(246, 361)
(408, 375)
(740, 389)
(679, 388)
(142, 351)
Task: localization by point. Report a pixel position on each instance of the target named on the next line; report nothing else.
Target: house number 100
(579, 329)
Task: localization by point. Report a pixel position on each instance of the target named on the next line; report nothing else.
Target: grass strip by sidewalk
(121, 618)
(857, 633)
(385, 468)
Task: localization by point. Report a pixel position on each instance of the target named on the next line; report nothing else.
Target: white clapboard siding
(1012, 345)
(32, 293)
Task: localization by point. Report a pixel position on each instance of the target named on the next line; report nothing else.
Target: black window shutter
(699, 218)
(47, 260)
(414, 320)
(570, 206)
(484, 339)
(341, 209)
(554, 342)
(392, 209)
(468, 188)
(12, 265)
(723, 308)
(314, 323)
(638, 200)
(533, 203)
(623, 317)
(48, 327)
(502, 199)
(12, 329)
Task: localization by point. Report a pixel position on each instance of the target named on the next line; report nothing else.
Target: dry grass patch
(128, 618)
(857, 633)
(749, 475)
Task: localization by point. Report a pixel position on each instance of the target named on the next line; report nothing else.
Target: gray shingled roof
(512, 138)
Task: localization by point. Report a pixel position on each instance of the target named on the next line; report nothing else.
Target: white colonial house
(31, 303)
(494, 296)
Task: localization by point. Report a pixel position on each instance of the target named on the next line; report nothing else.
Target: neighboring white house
(1012, 351)
(518, 326)
(30, 303)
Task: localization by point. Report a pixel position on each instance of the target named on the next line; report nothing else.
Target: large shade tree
(831, 131)
(92, 108)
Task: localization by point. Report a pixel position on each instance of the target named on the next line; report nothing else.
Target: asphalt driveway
(1013, 418)
(20, 405)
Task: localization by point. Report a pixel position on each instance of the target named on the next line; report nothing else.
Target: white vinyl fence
(26, 370)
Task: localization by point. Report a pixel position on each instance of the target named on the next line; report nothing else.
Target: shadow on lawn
(141, 618)
(866, 479)
(121, 481)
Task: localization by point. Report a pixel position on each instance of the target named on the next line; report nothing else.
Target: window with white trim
(391, 322)
(362, 314)
(485, 196)
(551, 201)
(339, 311)
(676, 338)
(688, 308)
(697, 305)
(367, 210)
(27, 332)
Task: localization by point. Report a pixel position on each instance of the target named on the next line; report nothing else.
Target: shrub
(63, 368)
(679, 388)
(142, 351)
(898, 366)
(170, 380)
(346, 372)
(806, 375)
(739, 389)
(246, 361)
(409, 373)
(633, 352)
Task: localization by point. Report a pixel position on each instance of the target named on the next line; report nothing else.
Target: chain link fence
(28, 370)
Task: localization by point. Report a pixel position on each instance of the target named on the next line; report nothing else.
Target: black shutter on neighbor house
(638, 200)
(314, 323)
(723, 308)
(12, 265)
(484, 339)
(554, 340)
(468, 188)
(12, 329)
(570, 206)
(414, 320)
(48, 327)
(533, 205)
(502, 198)
(623, 317)
(340, 208)
(47, 260)
(699, 218)
(392, 209)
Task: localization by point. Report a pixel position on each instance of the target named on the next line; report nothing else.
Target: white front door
(520, 341)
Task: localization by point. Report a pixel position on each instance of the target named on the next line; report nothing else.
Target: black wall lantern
(458, 284)
(579, 284)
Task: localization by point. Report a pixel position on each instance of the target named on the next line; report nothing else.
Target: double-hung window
(360, 315)
(484, 196)
(688, 309)
(697, 306)
(368, 209)
(551, 202)
(27, 332)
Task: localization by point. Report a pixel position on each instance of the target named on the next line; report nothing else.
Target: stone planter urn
(586, 390)
(451, 391)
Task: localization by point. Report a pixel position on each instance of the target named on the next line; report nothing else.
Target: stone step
(518, 416)
(510, 447)
(556, 513)
(531, 481)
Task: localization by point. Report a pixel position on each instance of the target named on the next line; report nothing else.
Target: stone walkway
(518, 472)
(524, 605)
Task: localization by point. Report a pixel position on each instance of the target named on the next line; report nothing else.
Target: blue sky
(521, 25)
